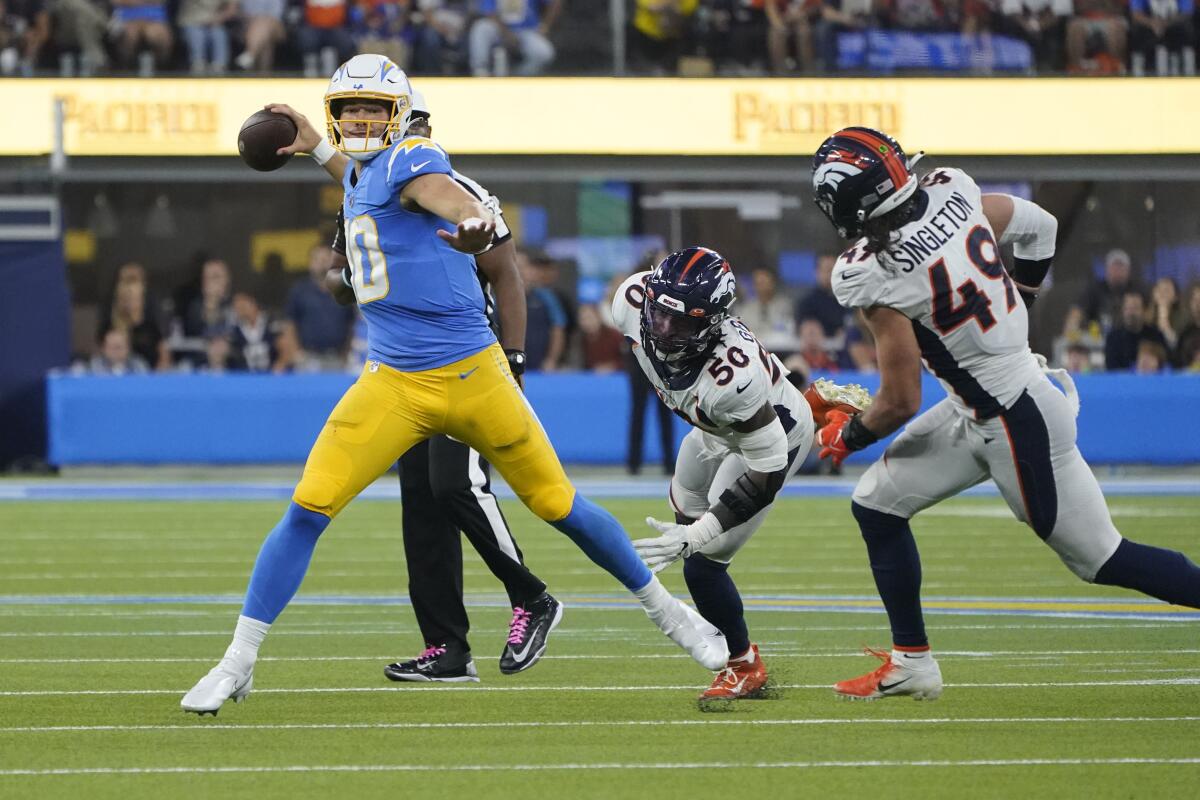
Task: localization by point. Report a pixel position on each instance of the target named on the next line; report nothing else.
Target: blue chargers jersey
(420, 297)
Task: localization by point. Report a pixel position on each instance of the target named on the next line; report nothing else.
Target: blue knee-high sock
(897, 569)
(1165, 574)
(717, 600)
(282, 562)
(603, 540)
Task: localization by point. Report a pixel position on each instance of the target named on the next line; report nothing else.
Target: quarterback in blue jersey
(434, 367)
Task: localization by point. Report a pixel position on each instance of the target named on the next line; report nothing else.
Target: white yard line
(582, 724)
(646, 688)
(702, 765)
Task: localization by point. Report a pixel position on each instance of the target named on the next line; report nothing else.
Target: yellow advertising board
(608, 116)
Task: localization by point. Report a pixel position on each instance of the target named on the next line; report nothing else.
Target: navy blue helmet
(688, 296)
(861, 174)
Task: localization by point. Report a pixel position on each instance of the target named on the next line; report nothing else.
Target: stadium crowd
(531, 37)
(209, 324)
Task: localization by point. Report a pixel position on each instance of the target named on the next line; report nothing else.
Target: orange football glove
(830, 436)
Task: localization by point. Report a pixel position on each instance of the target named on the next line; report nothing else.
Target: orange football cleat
(899, 674)
(825, 395)
(744, 676)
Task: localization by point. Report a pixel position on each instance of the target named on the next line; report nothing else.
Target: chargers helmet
(688, 296)
(861, 174)
(368, 77)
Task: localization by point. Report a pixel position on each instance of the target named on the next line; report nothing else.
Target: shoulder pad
(857, 279)
(415, 156)
(627, 305)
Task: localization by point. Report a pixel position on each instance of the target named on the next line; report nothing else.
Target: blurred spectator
(737, 30)
(1163, 34)
(203, 25)
(115, 357)
(251, 340)
(820, 304)
(1122, 343)
(322, 326)
(769, 314)
(218, 356)
(1187, 351)
(142, 24)
(381, 26)
(323, 39)
(80, 26)
(1151, 358)
(263, 31)
(813, 348)
(24, 30)
(1101, 303)
(602, 343)
(860, 353)
(440, 43)
(929, 16)
(519, 28)
(287, 347)
(789, 22)
(834, 17)
(1166, 312)
(1096, 37)
(1040, 23)
(660, 34)
(210, 313)
(546, 321)
(132, 313)
(1078, 359)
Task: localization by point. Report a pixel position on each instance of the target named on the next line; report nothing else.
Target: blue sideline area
(240, 419)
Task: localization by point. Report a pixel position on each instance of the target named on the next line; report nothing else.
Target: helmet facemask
(376, 135)
(675, 337)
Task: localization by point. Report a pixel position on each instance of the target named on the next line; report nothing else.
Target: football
(261, 135)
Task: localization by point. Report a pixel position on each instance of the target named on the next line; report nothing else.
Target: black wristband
(516, 361)
(856, 435)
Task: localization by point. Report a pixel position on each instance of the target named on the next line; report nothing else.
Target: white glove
(677, 541)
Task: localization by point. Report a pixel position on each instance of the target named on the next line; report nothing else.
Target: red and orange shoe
(913, 673)
(744, 677)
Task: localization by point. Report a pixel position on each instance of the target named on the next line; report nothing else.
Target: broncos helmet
(861, 174)
(688, 296)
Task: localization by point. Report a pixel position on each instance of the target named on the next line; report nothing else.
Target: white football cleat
(228, 680)
(919, 678)
(699, 637)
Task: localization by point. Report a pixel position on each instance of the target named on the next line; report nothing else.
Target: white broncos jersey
(734, 383)
(944, 273)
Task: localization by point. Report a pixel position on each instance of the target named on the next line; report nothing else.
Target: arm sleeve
(763, 450)
(1032, 231)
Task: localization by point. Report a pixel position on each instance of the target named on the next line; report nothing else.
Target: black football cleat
(436, 664)
(528, 632)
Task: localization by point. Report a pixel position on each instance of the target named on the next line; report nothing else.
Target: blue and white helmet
(368, 77)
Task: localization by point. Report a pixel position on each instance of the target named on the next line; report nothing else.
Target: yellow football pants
(475, 400)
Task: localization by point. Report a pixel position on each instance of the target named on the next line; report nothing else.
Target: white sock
(653, 595)
(918, 659)
(247, 638)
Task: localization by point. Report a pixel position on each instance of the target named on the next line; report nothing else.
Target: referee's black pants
(446, 487)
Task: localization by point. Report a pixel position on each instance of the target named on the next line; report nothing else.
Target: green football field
(110, 610)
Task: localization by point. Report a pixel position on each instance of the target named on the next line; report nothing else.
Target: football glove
(676, 542)
(830, 436)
